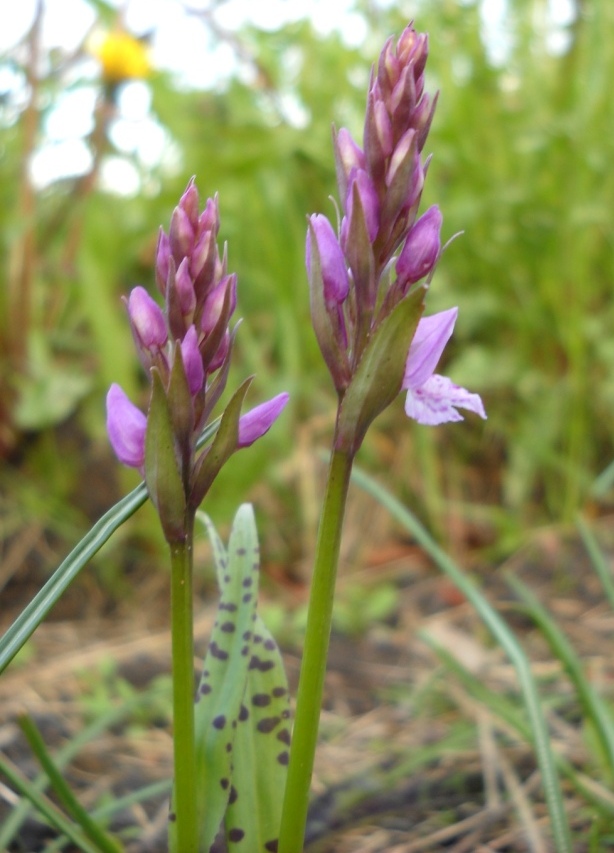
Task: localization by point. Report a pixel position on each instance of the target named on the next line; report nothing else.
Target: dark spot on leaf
(247, 582)
(257, 638)
(260, 665)
(247, 635)
(226, 578)
(172, 817)
(278, 692)
(261, 700)
(247, 598)
(218, 653)
(245, 651)
(255, 567)
(235, 834)
(272, 846)
(224, 783)
(267, 725)
(243, 714)
(233, 795)
(219, 722)
(230, 607)
(283, 758)
(284, 736)
(229, 745)
(228, 627)
(285, 714)
(241, 552)
(205, 688)
(270, 645)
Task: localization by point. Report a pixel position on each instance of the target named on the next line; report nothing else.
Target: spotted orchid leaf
(241, 700)
(261, 750)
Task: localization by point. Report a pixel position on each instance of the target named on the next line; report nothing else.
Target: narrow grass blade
(13, 822)
(595, 709)
(33, 614)
(47, 809)
(597, 559)
(507, 641)
(597, 795)
(102, 840)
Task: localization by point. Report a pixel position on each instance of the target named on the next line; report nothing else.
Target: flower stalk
(184, 752)
(313, 667)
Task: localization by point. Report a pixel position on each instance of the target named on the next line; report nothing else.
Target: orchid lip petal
(255, 423)
(432, 335)
(436, 402)
(126, 425)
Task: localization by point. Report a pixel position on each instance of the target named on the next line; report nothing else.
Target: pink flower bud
(214, 303)
(259, 420)
(421, 250)
(185, 288)
(181, 234)
(163, 254)
(189, 203)
(192, 361)
(126, 427)
(147, 319)
(332, 262)
(368, 199)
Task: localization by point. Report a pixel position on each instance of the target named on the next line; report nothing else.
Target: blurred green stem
(183, 693)
(313, 668)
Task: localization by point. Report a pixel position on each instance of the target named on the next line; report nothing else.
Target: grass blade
(104, 842)
(594, 708)
(35, 611)
(46, 808)
(597, 559)
(505, 638)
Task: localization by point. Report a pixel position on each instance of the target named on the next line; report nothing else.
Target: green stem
(183, 694)
(313, 668)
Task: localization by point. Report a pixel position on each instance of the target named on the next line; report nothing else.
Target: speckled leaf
(219, 700)
(261, 751)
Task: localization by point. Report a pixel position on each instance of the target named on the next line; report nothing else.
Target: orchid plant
(239, 763)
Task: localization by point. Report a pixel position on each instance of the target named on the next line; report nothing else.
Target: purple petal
(126, 427)
(259, 420)
(147, 319)
(332, 261)
(185, 288)
(421, 249)
(434, 402)
(432, 335)
(192, 361)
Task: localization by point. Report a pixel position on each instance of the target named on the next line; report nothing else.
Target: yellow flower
(122, 57)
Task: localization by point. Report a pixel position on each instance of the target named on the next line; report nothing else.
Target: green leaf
(379, 376)
(33, 614)
(242, 713)
(260, 751)
(162, 473)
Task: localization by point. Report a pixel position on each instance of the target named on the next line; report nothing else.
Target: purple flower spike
(192, 361)
(432, 399)
(421, 250)
(147, 319)
(332, 261)
(260, 419)
(126, 427)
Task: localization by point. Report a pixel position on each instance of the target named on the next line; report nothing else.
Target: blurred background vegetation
(523, 147)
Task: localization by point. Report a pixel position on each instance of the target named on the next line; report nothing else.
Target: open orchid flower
(433, 399)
